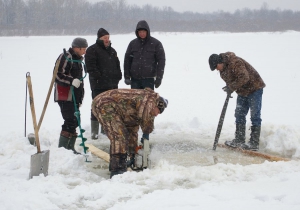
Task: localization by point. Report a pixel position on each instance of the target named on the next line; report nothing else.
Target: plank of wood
(255, 153)
(98, 152)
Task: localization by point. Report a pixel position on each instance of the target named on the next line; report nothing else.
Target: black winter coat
(144, 58)
(103, 66)
(67, 71)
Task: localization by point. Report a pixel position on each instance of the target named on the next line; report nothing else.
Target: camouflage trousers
(123, 138)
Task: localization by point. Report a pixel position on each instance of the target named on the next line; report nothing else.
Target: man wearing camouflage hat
(69, 74)
(121, 112)
(242, 78)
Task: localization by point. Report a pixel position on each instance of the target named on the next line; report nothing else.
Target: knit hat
(162, 104)
(102, 32)
(213, 61)
(80, 43)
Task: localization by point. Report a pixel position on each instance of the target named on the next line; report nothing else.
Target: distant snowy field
(186, 174)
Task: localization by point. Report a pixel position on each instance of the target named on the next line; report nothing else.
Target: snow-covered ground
(186, 173)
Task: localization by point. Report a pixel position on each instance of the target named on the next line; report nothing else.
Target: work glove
(227, 90)
(157, 83)
(145, 136)
(76, 83)
(127, 81)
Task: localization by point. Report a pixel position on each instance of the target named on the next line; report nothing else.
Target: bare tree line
(73, 17)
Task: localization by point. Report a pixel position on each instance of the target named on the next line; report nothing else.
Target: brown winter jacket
(239, 75)
(133, 105)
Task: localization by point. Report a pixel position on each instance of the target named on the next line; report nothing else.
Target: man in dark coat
(144, 61)
(69, 74)
(104, 70)
(242, 78)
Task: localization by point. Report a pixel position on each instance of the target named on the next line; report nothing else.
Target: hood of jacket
(142, 25)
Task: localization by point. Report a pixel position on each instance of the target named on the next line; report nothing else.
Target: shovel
(221, 120)
(31, 136)
(40, 161)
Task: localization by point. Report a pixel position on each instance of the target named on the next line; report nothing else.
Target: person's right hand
(227, 90)
(76, 83)
(127, 81)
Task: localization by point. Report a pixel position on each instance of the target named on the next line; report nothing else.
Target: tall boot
(117, 164)
(71, 144)
(253, 143)
(240, 136)
(94, 129)
(63, 142)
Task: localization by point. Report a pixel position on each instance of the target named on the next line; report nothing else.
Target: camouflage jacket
(239, 75)
(133, 105)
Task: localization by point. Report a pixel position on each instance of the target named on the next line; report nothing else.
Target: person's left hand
(157, 83)
(227, 90)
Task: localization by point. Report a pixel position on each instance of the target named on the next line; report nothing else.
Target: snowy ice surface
(186, 173)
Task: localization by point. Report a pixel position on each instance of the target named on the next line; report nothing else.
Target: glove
(127, 81)
(157, 83)
(227, 90)
(145, 136)
(76, 83)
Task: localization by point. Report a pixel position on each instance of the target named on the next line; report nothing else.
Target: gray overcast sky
(215, 5)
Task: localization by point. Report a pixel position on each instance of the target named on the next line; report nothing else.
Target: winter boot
(240, 136)
(253, 143)
(63, 142)
(71, 144)
(94, 129)
(64, 139)
(117, 164)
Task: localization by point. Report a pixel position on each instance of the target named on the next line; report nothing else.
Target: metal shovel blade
(39, 164)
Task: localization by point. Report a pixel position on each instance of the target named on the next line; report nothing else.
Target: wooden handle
(49, 92)
(257, 154)
(37, 141)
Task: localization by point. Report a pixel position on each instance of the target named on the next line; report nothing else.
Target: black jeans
(142, 83)
(67, 111)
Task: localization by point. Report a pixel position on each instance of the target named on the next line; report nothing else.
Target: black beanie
(102, 32)
(80, 43)
(213, 61)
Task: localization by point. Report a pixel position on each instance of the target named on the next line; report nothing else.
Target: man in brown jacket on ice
(121, 112)
(242, 78)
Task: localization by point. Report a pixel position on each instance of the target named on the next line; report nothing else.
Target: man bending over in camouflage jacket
(121, 112)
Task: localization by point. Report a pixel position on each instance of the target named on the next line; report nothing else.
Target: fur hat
(162, 104)
(102, 32)
(80, 43)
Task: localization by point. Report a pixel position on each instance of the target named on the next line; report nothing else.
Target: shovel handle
(37, 141)
(49, 92)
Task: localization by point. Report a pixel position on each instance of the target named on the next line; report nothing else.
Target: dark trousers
(142, 83)
(96, 92)
(67, 111)
(252, 102)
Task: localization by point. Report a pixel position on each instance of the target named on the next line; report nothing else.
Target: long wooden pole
(33, 112)
(49, 92)
(257, 154)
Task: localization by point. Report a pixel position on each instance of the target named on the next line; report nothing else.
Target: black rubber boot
(71, 145)
(131, 161)
(253, 143)
(63, 142)
(102, 131)
(240, 136)
(117, 164)
(94, 129)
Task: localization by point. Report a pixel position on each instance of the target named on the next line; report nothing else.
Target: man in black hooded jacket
(104, 70)
(144, 60)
